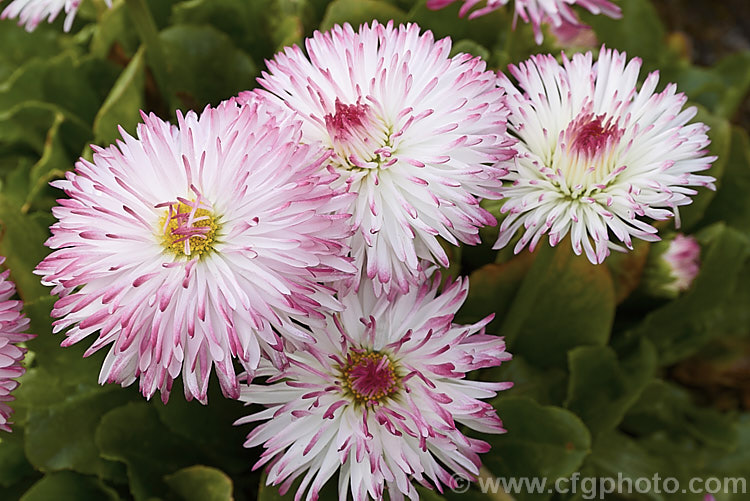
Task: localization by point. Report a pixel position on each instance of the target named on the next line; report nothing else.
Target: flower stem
(157, 60)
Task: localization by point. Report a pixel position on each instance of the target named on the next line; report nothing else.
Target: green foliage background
(594, 358)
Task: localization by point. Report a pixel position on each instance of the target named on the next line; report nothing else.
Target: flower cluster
(288, 239)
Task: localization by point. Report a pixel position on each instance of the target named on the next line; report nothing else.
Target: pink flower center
(188, 227)
(587, 157)
(590, 136)
(357, 136)
(369, 377)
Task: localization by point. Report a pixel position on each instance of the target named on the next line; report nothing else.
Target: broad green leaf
(115, 27)
(69, 486)
(22, 242)
(667, 407)
(209, 427)
(79, 415)
(19, 46)
(470, 47)
(485, 30)
(545, 386)
(721, 88)
(681, 327)
(602, 388)
(731, 203)
(564, 302)
(541, 441)
(13, 463)
(62, 80)
(204, 51)
(616, 455)
(201, 483)
(627, 269)
(248, 24)
(492, 288)
(639, 32)
(122, 106)
(134, 435)
(360, 12)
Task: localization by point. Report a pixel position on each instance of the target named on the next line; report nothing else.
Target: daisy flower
(12, 324)
(196, 244)
(597, 157)
(672, 266)
(557, 13)
(31, 12)
(414, 132)
(380, 397)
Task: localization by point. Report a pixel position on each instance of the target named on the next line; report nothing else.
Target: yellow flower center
(369, 377)
(188, 229)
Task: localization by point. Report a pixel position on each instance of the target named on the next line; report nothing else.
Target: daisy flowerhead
(558, 13)
(12, 324)
(31, 12)
(597, 158)
(672, 266)
(380, 396)
(196, 244)
(415, 133)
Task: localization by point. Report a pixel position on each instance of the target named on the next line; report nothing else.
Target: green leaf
(564, 302)
(627, 269)
(639, 32)
(79, 415)
(545, 386)
(209, 427)
(121, 108)
(602, 388)
(615, 455)
(360, 12)
(19, 46)
(204, 51)
(69, 486)
(485, 30)
(248, 24)
(680, 327)
(13, 463)
(470, 47)
(22, 242)
(492, 288)
(541, 442)
(115, 27)
(201, 483)
(665, 406)
(731, 203)
(134, 435)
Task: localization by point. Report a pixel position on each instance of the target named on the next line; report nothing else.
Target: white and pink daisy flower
(597, 159)
(380, 397)
(12, 325)
(32, 12)
(672, 266)
(415, 133)
(558, 13)
(197, 244)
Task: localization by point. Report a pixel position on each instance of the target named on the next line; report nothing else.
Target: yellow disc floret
(369, 376)
(188, 228)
